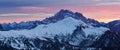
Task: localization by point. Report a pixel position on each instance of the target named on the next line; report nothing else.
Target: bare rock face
(109, 39)
(114, 25)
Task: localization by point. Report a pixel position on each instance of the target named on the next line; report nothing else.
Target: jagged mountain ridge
(114, 25)
(109, 39)
(57, 17)
(67, 13)
(19, 26)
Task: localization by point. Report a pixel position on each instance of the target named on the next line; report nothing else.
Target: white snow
(95, 30)
(65, 26)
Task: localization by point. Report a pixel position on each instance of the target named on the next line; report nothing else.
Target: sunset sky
(25, 10)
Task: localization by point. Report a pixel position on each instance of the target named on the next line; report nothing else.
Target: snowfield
(66, 26)
(63, 27)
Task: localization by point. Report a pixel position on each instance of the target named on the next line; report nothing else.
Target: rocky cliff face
(114, 25)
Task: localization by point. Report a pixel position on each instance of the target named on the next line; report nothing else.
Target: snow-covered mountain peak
(64, 11)
(67, 13)
(65, 26)
(61, 15)
(70, 20)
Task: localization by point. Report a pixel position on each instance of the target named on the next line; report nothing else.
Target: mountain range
(65, 30)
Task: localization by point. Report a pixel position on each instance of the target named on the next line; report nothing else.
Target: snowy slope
(66, 26)
(63, 27)
(95, 30)
(86, 32)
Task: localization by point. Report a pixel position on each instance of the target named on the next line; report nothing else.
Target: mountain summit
(114, 25)
(61, 15)
(67, 13)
